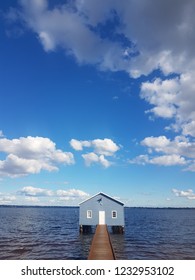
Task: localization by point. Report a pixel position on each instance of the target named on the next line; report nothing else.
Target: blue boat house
(101, 209)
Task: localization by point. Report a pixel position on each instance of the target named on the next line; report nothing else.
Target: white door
(102, 219)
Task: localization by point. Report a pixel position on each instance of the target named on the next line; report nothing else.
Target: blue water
(53, 233)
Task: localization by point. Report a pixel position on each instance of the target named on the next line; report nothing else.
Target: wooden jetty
(101, 246)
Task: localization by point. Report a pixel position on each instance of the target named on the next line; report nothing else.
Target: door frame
(102, 217)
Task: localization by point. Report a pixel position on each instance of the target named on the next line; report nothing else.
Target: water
(53, 233)
(157, 234)
(41, 233)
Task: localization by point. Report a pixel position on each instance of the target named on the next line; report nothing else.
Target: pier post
(118, 229)
(85, 229)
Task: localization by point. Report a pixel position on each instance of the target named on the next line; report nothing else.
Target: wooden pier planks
(101, 247)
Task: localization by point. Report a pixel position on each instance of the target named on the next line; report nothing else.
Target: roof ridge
(102, 193)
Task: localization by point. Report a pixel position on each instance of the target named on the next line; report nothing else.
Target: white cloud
(165, 44)
(173, 99)
(189, 128)
(47, 41)
(165, 160)
(14, 166)
(67, 27)
(64, 24)
(151, 43)
(104, 162)
(180, 145)
(189, 194)
(157, 143)
(180, 151)
(105, 147)
(30, 195)
(78, 145)
(32, 191)
(91, 158)
(30, 155)
(191, 166)
(141, 160)
(101, 148)
(161, 94)
(168, 160)
(7, 199)
(71, 194)
(44, 196)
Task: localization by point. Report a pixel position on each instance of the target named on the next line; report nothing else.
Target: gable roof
(105, 195)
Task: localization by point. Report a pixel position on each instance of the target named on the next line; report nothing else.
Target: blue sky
(97, 96)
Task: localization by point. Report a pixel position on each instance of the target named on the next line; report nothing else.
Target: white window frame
(89, 214)
(114, 214)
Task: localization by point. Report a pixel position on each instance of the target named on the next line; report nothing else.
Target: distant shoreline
(58, 206)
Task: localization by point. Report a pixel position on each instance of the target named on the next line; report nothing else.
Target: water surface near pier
(53, 233)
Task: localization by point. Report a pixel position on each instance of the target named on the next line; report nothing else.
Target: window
(114, 214)
(89, 214)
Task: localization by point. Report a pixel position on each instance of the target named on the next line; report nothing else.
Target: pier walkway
(101, 246)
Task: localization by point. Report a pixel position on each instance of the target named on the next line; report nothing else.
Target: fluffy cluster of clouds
(66, 195)
(31, 155)
(42, 196)
(173, 99)
(163, 38)
(144, 36)
(189, 194)
(166, 152)
(101, 148)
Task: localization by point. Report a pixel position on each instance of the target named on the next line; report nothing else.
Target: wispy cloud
(7, 199)
(32, 191)
(166, 160)
(1, 134)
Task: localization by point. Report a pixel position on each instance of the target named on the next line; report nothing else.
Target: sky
(97, 96)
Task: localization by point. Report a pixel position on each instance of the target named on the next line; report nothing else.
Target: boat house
(101, 209)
